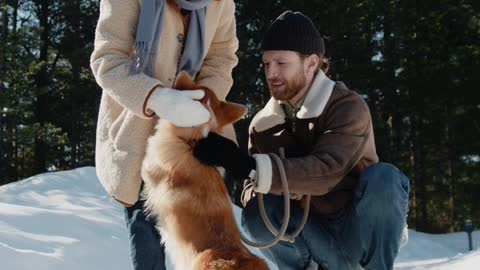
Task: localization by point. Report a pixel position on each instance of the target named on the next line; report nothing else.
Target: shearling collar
(315, 101)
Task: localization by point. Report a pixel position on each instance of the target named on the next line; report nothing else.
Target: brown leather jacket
(327, 144)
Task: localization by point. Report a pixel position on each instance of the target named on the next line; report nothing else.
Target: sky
(65, 220)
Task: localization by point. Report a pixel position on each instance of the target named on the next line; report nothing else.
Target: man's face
(285, 72)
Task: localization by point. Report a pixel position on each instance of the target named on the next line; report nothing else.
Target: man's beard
(292, 86)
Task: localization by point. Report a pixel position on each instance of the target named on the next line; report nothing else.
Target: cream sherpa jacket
(123, 126)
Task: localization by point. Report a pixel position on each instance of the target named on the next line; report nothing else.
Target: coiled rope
(280, 235)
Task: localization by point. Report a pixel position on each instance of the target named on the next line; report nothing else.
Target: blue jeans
(146, 250)
(366, 233)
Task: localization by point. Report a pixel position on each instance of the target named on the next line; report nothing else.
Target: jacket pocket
(129, 133)
(116, 125)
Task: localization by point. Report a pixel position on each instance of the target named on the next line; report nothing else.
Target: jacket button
(180, 37)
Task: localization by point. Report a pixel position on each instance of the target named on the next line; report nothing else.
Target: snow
(64, 220)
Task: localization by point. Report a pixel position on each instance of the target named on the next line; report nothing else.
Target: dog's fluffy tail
(214, 260)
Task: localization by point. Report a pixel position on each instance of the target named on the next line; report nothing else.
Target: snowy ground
(65, 220)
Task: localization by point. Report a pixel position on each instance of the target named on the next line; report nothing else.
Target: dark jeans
(147, 251)
(367, 233)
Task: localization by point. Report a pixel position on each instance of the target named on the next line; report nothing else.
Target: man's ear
(184, 82)
(312, 63)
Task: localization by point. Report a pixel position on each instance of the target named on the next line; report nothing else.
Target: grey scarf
(149, 30)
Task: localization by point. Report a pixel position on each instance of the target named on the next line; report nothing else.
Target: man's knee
(382, 189)
(384, 179)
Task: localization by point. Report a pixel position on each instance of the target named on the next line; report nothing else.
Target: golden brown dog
(189, 199)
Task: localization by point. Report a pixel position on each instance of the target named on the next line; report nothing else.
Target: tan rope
(279, 235)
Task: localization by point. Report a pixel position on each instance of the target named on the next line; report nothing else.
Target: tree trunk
(16, 6)
(42, 83)
(419, 171)
(452, 167)
(4, 16)
(3, 40)
(75, 133)
(388, 77)
(412, 214)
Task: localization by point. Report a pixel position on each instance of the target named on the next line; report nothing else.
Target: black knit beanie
(293, 31)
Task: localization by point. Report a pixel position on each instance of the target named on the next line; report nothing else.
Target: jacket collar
(315, 101)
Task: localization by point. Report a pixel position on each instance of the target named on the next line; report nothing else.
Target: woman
(140, 47)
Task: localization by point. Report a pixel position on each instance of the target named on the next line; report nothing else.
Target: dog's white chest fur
(181, 254)
(180, 260)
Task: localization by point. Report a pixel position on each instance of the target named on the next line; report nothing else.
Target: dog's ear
(229, 112)
(184, 82)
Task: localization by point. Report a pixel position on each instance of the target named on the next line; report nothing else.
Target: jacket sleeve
(336, 150)
(111, 61)
(216, 71)
(264, 165)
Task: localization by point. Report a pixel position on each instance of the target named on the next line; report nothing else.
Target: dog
(189, 199)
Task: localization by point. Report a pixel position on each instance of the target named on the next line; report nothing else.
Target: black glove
(216, 150)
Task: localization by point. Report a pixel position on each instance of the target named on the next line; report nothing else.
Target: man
(358, 206)
(140, 47)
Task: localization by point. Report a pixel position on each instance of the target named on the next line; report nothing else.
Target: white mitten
(180, 108)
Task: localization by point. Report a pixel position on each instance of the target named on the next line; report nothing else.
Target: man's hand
(180, 108)
(216, 150)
